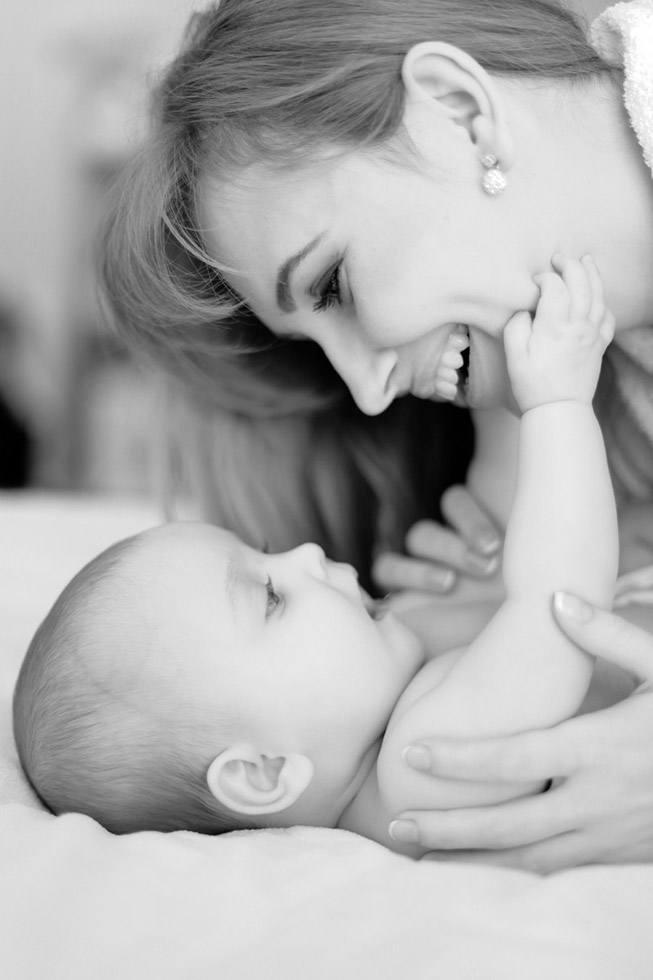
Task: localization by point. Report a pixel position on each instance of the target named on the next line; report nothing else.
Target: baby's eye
(273, 598)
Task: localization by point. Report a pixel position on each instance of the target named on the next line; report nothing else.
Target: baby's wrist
(558, 405)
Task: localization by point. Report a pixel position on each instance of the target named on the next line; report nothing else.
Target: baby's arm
(521, 672)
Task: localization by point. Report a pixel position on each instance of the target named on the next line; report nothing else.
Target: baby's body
(293, 698)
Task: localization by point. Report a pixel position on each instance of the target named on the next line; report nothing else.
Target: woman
(385, 182)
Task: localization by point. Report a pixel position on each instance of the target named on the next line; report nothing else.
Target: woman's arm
(521, 672)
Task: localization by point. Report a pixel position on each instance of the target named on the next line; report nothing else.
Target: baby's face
(283, 645)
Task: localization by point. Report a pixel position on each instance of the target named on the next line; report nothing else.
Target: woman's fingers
(437, 554)
(635, 587)
(521, 822)
(470, 546)
(638, 597)
(470, 521)
(525, 758)
(393, 572)
(429, 540)
(605, 635)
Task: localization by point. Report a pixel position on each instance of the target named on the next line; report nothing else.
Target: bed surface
(80, 904)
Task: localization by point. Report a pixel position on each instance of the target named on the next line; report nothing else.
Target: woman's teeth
(451, 372)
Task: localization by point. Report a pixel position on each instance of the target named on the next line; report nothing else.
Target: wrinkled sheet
(77, 903)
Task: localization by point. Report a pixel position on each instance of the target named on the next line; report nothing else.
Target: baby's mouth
(452, 373)
(376, 608)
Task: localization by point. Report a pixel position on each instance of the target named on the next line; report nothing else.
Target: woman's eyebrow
(285, 301)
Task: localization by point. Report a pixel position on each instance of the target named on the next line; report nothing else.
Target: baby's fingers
(553, 305)
(579, 286)
(516, 335)
(597, 310)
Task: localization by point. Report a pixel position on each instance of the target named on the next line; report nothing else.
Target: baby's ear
(247, 781)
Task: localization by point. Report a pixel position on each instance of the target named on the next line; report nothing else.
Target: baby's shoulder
(426, 679)
(411, 719)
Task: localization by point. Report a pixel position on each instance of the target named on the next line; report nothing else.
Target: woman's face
(380, 263)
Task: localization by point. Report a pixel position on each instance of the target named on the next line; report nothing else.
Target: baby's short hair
(89, 747)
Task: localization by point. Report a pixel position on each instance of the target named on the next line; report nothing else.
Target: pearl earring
(494, 180)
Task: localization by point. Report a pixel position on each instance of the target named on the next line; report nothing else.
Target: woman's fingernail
(417, 757)
(443, 580)
(404, 831)
(481, 564)
(573, 607)
(488, 543)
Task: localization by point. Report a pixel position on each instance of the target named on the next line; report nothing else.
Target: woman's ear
(462, 92)
(247, 781)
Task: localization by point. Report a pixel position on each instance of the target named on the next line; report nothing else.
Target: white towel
(623, 36)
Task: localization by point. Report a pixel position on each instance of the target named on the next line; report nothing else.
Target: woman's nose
(369, 375)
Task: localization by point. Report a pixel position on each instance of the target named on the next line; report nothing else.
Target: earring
(494, 180)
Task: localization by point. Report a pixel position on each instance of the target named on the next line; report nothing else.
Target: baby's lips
(367, 599)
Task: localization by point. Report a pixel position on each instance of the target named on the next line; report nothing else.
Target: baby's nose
(314, 559)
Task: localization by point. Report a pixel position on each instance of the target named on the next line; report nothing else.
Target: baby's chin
(399, 637)
(404, 643)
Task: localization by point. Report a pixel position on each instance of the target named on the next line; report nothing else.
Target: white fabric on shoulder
(623, 36)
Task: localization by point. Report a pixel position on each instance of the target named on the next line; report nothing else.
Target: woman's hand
(600, 806)
(634, 588)
(436, 555)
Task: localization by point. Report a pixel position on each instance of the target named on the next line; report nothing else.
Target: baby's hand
(556, 356)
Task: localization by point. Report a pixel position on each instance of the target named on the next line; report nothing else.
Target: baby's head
(183, 680)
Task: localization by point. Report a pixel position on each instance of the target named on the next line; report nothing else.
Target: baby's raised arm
(521, 672)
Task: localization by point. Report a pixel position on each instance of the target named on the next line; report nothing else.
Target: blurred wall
(72, 96)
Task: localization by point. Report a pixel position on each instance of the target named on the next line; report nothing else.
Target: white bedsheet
(77, 903)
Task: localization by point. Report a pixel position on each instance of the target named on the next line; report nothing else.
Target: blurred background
(74, 411)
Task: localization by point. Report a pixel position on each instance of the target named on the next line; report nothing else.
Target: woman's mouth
(452, 373)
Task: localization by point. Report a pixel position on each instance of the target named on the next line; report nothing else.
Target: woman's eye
(273, 598)
(330, 291)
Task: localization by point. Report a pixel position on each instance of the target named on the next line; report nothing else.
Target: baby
(186, 681)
